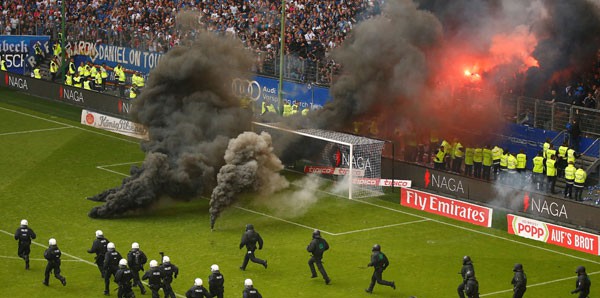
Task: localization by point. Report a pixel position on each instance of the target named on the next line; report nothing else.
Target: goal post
(348, 160)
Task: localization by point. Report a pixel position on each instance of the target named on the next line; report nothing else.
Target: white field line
(381, 227)
(538, 284)
(68, 125)
(34, 259)
(104, 167)
(284, 220)
(32, 131)
(78, 259)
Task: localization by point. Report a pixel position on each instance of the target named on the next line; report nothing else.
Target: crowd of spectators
(313, 27)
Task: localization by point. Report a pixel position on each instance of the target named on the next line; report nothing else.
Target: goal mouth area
(352, 163)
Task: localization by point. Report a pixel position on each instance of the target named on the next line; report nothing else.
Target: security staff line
(536, 285)
(32, 131)
(78, 259)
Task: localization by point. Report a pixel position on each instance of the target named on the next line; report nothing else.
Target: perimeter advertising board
(553, 234)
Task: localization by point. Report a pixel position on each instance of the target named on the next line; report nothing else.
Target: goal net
(352, 163)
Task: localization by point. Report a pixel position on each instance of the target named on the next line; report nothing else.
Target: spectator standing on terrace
(24, 235)
(574, 134)
(582, 284)
(519, 280)
(379, 262)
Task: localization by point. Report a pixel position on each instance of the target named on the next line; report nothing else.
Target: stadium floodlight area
(352, 162)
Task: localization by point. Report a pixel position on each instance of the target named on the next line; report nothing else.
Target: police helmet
(470, 274)
(214, 267)
(123, 262)
(580, 270)
(99, 233)
(110, 246)
(198, 282)
(153, 264)
(376, 247)
(24, 222)
(52, 241)
(467, 260)
(249, 227)
(518, 267)
(248, 283)
(317, 234)
(135, 245)
(166, 259)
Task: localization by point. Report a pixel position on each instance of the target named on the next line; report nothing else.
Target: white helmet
(153, 264)
(52, 241)
(110, 245)
(24, 222)
(135, 245)
(198, 282)
(99, 233)
(123, 262)
(214, 267)
(248, 282)
(166, 259)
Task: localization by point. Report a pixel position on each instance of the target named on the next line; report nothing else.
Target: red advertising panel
(553, 234)
(459, 210)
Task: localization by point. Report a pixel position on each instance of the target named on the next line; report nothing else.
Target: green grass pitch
(49, 164)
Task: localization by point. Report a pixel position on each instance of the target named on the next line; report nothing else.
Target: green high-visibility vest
(487, 157)
(538, 164)
(580, 176)
(570, 172)
(469, 156)
(550, 167)
(478, 155)
(521, 160)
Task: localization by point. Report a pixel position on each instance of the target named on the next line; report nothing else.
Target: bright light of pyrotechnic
(472, 76)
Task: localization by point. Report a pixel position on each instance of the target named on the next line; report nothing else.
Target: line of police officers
(126, 271)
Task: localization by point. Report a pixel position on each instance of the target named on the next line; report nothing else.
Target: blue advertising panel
(19, 53)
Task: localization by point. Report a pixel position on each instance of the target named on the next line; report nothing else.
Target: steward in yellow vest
(538, 171)
(77, 81)
(569, 179)
(580, 176)
(68, 79)
(551, 172)
(521, 161)
(469, 160)
(2, 63)
(37, 73)
(477, 162)
(486, 162)
(439, 159)
(458, 156)
(496, 155)
(87, 84)
(53, 69)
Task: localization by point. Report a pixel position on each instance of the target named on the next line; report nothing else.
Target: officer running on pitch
(99, 248)
(379, 262)
(249, 290)
(519, 281)
(317, 247)
(467, 266)
(472, 285)
(583, 283)
(53, 254)
(169, 272)
(249, 239)
(198, 290)
(216, 281)
(111, 265)
(123, 278)
(155, 278)
(24, 234)
(136, 259)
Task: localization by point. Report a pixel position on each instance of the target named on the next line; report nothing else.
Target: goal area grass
(50, 163)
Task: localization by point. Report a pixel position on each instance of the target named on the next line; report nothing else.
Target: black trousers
(461, 290)
(578, 191)
(136, 279)
(155, 289)
(23, 251)
(107, 274)
(318, 261)
(53, 266)
(551, 183)
(100, 264)
(168, 290)
(378, 277)
(251, 257)
(125, 291)
(518, 293)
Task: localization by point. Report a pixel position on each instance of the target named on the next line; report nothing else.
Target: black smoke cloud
(191, 115)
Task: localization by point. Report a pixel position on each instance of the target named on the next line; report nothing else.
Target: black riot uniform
(251, 292)
(111, 265)
(169, 271)
(136, 260)
(467, 266)
(472, 286)
(53, 254)
(24, 235)
(99, 248)
(249, 239)
(379, 262)
(583, 283)
(215, 284)
(155, 279)
(198, 292)
(123, 278)
(519, 281)
(317, 247)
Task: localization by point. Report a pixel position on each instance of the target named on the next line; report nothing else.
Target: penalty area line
(381, 227)
(32, 131)
(104, 167)
(536, 285)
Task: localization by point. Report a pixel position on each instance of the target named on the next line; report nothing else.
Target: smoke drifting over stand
(250, 166)
(191, 115)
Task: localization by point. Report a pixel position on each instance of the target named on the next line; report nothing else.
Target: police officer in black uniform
(52, 254)
(583, 283)
(154, 277)
(99, 248)
(136, 259)
(519, 281)
(24, 235)
(169, 272)
(472, 286)
(249, 239)
(216, 281)
(467, 266)
(249, 290)
(198, 290)
(123, 278)
(111, 265)
(317, 247)
(379, 262)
